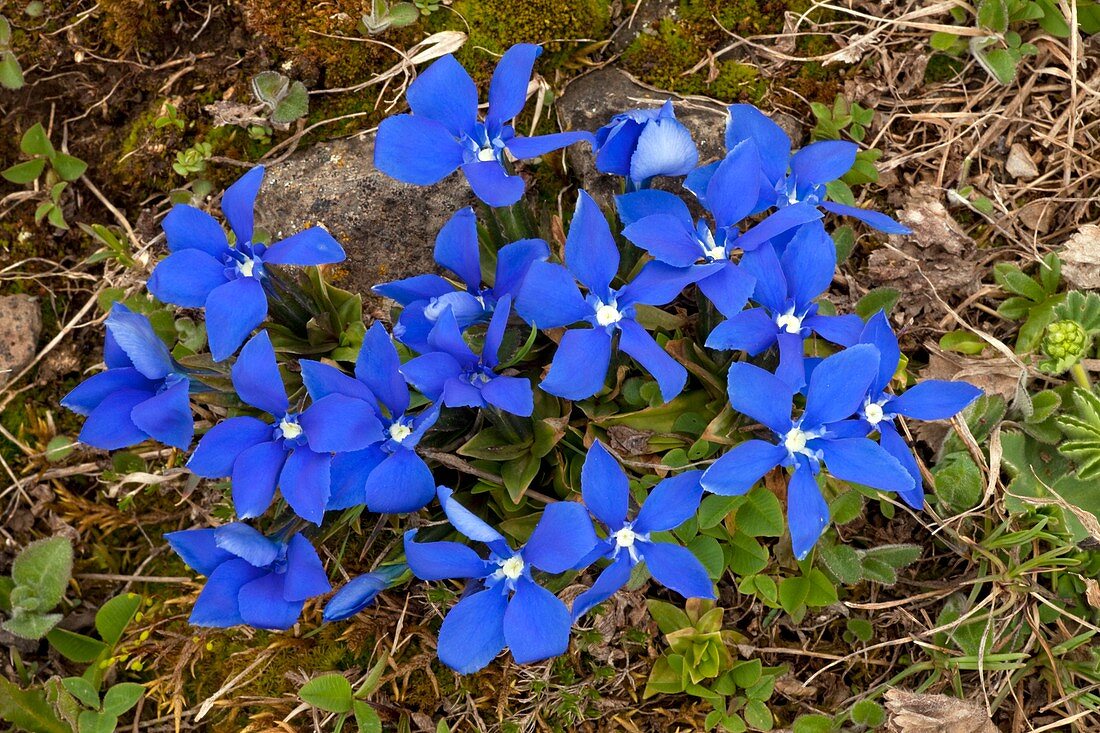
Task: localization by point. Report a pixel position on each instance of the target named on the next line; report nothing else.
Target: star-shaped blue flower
(143, 394)
(824, 434)
(503, 605)
(443, 133)
(550, 298)
(644, 143)
(204, 271)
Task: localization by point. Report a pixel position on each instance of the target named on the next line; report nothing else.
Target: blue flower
(799, 180)
(503, 605)
(644, 143)
(672, 502)
(932, 399)
(425, 297)
(456, 375)
(251, 579)
(387, 476)
(550, 298)
(786, 288)
(204, 271)
(443, 133)
(360, 592)
(822, 434)
(143, 394)
(292, 451)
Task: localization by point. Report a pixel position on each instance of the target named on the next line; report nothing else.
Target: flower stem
(1080, 376)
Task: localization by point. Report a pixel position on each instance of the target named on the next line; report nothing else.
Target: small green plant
(285, 101)
(169, 118)
(36, 144)
(11, 73)
(78, 702)
(398, 15)
(333, 693)
(849, 119)
(37, 584)
(193, 160)
(1032, 299)
(427, 7)
(115, 246)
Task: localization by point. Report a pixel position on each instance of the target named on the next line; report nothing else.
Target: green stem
(1080, 376)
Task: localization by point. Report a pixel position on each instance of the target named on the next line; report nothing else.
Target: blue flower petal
(604, 487)
(563, 535)
(134, 334)
(256, 376)
(658, 283)
(935, 399)
(732, 191)
(761, 395)
(88, 395)
(590, 250)
(313, 246)
(728, 287)
(218, 604)
(166, 416)
(305, 575)
(549, 297)
(416, 150)
(421, 424)
(247, 543)
(219, 448)
(746, 122)
(792, 360)
(431, 372)
(338, 424)
(443, 560)
(771, 289)
(536, 623)
(671, 376)
(839, 384)
(615, 143)
(896, 446)
(109, 426)
(255, 474)
(348, 476)
(513, 262)
(843, 330)
(238, 202)
(446, 337)
(304, 482)
(263, 606)
(197, 548)
(460, 393)
(494, 334)
(321, 380)
(508, 88)
(579, 367)
(677, 569)
(699, 180)
(864, 461)
(809, 262)
(807, 513)
(444, 92)
(233, 311)
(186, 278)
(823, 161)
(751, 331)
(420, 287)
(876, 219)
(510, 394)
(532, 147)
(878, 333)
(613, 577)
(638, 205)
(492, 184)
(671, 503)
(778, 223)
(469, 524)
(738, 469)
(186, 227)
(399, 484)
(472, 634)
(664, 148)
(665, 238)
(357, 594)
(456, 248)
(379, 367)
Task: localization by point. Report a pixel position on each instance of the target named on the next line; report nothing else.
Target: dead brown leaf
(910, 712)
(1081, 258)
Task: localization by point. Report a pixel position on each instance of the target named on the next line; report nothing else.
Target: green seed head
(1065, 340)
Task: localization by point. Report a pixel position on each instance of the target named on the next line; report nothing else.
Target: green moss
(942, 67)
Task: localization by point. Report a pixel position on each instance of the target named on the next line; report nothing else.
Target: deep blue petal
(357, 594)
(421, 424)
(444, 92)
(760, 394)
(401, 483)
(472, 633)
(792, 360)
(615, 143)
(604, 487)
(511, 394)
(549, 297)
(494, 334)
(348, 476)
(671, 503)
(876, 219)
(446, 337)
(492, 184)
(838, 385)
(186, 227)
(671, 376)
(823, 161)
(579, 367)
(305, 575)
(764, 266)
(468, 523)
(218, 604)
(134, 334)
(935, 399)
(677, 569)
(665, 238)
(197, 548)
(219, 448)
(843, 330)
(321, 380)
(256, 376)
(533, 147)
(109, 425)
(166, 416)
(746, 122)
(751, 331)
(809, 262)
(563, 535)
(513, 262)
(658, 283)
(238, 202)
(664, 148)
(420, 287)
(508, 88)
(186, 278)
(305, 483)
(416, 150)
(590, 250)
(738, 469)
(896, 446)
(233, 311)
(88, 395)
(456, 247)
(732, 191)
(536, 623)
(863, 461)
(613, 577)
(263, 606)
(778, 223)
(728, 287)
(255, 474)
(379, 367)
(313, 246)
(339, 424)
(878, 333)
(460, 393)
(430, 372)
(443, 560)
(648, 202)
(247, 543)
(699, 180)
(807, 513)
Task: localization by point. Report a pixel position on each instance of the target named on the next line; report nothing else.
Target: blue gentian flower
(443, 133)
(643, 143)
(204, 271)
(291, 451)
(786, 288)
(550, 298)
(931, 399)
(799, 180)
(458, 377)
(424, 297)
(672, 502)
(251, 579)
(360, 592)
(822, 434)
(143, 394)
(387, 476)
(503, 605)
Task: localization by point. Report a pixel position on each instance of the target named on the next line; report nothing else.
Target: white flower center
(716, 253)
(625, 537)
(607, 315)
(486, 154)
(290, 429)
(512, 568)
(873, 412)
(789, 322)
(246, 268)
(795, 441)
(400, 431)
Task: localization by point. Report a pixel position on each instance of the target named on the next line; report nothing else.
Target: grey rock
(387, 227)
(20, 327)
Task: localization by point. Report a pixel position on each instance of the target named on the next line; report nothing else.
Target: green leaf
(843, 562)
(963, 342)
(846, 507)
(490, 444)
(761, 515)
(710, 554)
(331, 692)
(1052, 20)
(993, 15)
(35, 142)
(879, 299)
(669, 618)
(840, 192)
(270, 87)
(5, 31)
(28, 710)
(946, 42)
(714, 508)
(45, 566)
(294, 106)
(95, 722)
(1000, 63)
(861, 629)
(11, 73)
(76, 647)
(122, 697)
(793, 592)
(114, 616)
(844, 238)
(518, 474)
(958, 482)
(69, 168)
(403, 14)
(367, 718)
(882, 563)
(812, 724)
(744, 555)
(22, 173)
(82, 690)
(757, 715)
(30, 624)
(820, 590)
(868, 713)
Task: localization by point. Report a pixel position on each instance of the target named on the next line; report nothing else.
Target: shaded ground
(99, 77)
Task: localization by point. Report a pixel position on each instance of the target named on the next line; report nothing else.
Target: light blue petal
(494, 334)
(197, 548)
(736, 471)
(792, 360)
(761, 395)
(579, 367)
(878, 333)
(843, 330)
(671, 376)
(664, 148)
(562, 537)
(456, 247)
(590, 250)
(604, 487)
(472, 634)
(468, 523)
(764, 266)
(728, 287)
(896, 446)
(321, 380)
(416, 150)
(88, 395)
(638, 205)
(348, 476)
(839, 384)
(665, 238)
(444, 92)
(134, 334)
(677, 569)
(420, 287)
(778, 223)
(109, 426)
(247, 543)
(446, 337)
(658, 283)
(431, 372)
(671, 503)
(536, 624)
(238, 202)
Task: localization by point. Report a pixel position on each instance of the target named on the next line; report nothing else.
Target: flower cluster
(505, 344)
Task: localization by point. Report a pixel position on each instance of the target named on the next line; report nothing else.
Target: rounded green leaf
(82, 690)
(69, 168)
(122, 697)
(45, 566)
(36, 142)
(114, 616)
(22, 173)
(331, 692)
(11, 73)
